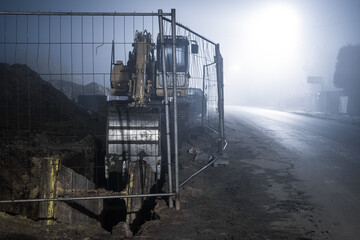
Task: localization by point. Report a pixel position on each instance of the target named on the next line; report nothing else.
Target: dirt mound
(30, 104)
(37, 120)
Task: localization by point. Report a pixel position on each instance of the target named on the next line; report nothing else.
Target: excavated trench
(114, 211)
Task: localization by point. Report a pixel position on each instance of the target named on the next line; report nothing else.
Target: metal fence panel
(50, 63)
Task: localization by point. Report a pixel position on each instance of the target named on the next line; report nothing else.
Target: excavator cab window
(182, 62)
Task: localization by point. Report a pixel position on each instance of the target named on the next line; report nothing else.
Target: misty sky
(269, 47)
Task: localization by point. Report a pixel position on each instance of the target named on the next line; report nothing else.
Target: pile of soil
(38, 121)
(30, 104)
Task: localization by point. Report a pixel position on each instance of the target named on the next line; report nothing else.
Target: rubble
(122, 230)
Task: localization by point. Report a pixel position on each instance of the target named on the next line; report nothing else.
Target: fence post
(203, 98)
(166, 99)
(176, 150)
(220, 83)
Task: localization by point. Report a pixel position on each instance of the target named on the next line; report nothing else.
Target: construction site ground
(238, 200)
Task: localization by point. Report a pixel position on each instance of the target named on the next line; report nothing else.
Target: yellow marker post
(51, 193)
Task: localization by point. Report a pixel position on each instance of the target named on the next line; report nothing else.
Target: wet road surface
(324, 156)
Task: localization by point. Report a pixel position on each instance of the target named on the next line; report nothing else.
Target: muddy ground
(255, 196)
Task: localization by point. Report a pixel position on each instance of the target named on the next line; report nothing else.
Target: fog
(279, 44)
(270, 48)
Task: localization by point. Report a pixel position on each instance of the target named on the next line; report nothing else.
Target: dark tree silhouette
(347, 76)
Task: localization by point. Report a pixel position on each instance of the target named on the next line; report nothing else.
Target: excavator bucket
(133, 134)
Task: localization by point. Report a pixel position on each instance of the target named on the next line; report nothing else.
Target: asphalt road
(323, 155)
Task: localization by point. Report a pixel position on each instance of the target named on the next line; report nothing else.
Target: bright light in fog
(272, 36)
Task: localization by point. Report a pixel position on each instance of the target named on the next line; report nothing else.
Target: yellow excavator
(134, 129)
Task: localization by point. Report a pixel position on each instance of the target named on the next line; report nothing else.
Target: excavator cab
(182, 66)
